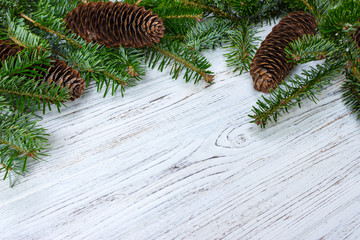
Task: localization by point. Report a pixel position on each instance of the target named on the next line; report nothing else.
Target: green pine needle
(293, 91)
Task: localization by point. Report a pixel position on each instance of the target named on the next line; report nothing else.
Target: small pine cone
(270, 65)
(116, 24)
(65, 76)
(58, 73)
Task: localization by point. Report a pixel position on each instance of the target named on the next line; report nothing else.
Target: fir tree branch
(351, 89)
(108, 73)
(281, 100)
(177, 57)
(311, 48)
(242, 47)
(19, 81)
(20, 140)
(341, 20)
(116, 67)
(61, 36)
(23, 36)
(207, 34)
(18, 149)
(214, 10)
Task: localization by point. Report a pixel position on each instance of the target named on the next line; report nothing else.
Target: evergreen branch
(255, 11)
(207, 34)
(242, 47)
(20, 140)
(114, 67)
(341, 20)
(181, 58)
(351, 89)
(178, 26)
(22, 36)
(61, 36)
(20, 81)
(57, 8)
(18, 149)
(214, 10)
(281, 100)
(43, 97)
(311, 48)
(114, 73)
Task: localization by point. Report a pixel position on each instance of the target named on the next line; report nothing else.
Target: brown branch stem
(198, 17)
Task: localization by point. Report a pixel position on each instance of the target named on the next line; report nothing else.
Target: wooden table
(174, 160)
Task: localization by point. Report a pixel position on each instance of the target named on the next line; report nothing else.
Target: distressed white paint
(173, 160)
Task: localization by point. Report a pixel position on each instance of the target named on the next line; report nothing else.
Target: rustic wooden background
(174, 160)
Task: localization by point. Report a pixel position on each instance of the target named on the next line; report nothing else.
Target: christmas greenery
(39, 27)
(338, 22)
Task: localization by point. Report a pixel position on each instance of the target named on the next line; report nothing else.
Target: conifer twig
(293, 91)
(61, 36)
(212, 9)
(17, 148)
(121, 82)
(71, 41)
(32, 95)
(208, 78)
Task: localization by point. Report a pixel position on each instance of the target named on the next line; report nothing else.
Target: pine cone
(116, 24)
(58, 73)
(65, 76)
(270, 65)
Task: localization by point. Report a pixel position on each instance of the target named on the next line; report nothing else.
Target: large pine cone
(270, 65)
(116, 24)
(58, 73)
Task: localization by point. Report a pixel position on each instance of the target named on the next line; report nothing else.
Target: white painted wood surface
(173, 160)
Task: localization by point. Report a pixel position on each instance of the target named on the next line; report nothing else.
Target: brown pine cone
(116, 24)
(270, 65)
(65, 76)
(58, 73)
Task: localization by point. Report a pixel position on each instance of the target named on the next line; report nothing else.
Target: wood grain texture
(173, 160)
